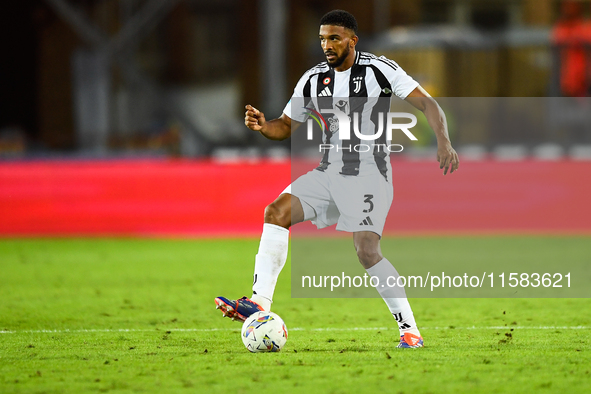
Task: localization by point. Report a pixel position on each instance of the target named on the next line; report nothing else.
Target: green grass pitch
(126, 315)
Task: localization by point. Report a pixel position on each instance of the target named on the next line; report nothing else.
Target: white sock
(268, 263)
(395, 297)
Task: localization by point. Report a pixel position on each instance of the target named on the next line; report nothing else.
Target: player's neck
(348, 63)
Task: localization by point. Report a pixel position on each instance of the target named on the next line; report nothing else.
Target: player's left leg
(367, 245)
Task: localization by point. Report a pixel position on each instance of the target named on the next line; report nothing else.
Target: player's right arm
(276, 129)
(292, 117)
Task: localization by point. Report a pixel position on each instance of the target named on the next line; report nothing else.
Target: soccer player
(344, 177)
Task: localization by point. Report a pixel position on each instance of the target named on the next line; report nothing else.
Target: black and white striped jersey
(366, 88)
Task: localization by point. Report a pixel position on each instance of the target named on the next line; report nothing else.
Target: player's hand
(253, 118)
(447, 158)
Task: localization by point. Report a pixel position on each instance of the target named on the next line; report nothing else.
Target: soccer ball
(264, 332)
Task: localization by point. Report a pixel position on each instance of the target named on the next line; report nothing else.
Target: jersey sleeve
(402, 83)
(295, 106)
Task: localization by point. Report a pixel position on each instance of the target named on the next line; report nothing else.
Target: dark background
(193, 66)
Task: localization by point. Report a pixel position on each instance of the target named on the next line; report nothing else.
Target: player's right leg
(281, 214)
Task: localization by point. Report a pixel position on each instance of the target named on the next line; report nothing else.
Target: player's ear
(353, 41)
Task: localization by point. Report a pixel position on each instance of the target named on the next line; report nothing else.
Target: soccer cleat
(237, 310)
(409, 340)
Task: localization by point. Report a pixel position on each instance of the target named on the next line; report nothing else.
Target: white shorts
(354, 203)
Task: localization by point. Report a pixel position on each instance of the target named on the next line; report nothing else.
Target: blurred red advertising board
(205, 198)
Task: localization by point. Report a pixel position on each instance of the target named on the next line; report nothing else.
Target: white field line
(237, 328)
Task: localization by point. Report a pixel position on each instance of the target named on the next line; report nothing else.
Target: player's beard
(339, 60)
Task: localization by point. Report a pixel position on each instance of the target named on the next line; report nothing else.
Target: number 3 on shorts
(368, 198)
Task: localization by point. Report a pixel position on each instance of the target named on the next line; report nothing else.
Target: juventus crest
(357, 83)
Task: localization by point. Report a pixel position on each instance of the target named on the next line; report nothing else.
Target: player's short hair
(340, 18)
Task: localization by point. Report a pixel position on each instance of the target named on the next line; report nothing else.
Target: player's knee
(368, 255)
(278, 215)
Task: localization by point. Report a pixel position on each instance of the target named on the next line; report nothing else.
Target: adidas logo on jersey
(325, 93)
(366, 222)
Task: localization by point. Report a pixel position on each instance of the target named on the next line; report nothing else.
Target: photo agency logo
(365, 130)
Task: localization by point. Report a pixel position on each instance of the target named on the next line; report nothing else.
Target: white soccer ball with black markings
(264, 332)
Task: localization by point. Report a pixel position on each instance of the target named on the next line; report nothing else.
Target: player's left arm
(446, 155)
